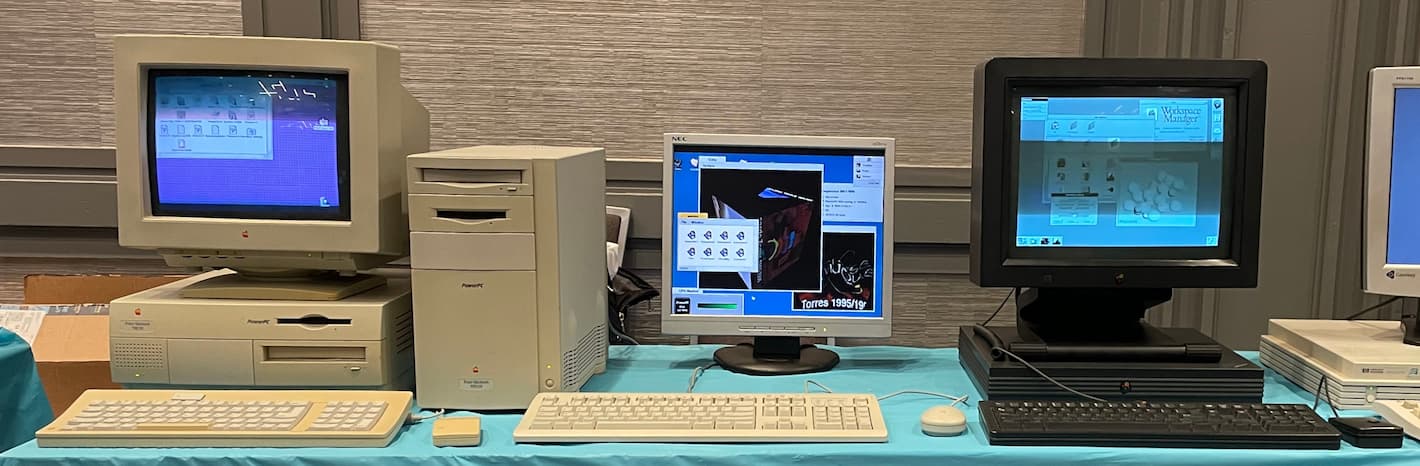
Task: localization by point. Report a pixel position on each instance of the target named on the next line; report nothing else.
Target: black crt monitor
(1099, 185)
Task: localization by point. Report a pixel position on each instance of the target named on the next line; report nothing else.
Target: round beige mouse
(943, 420)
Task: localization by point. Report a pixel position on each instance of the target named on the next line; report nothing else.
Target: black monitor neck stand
(1411, 327)
(1098, 324)
(775, 356)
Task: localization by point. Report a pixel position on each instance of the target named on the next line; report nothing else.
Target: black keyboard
(1140, 424)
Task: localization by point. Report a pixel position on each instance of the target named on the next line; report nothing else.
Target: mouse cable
(1046, 377)
(695, 375)
(1372, 308)
(1320, 389)
(416, 418)
(955, 399)
(1015, 292)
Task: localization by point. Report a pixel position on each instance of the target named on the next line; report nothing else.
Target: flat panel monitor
(1392, 254)
(777, 237)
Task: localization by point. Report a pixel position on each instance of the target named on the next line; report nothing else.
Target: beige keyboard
(1404, 413)
(229, 418)
(696, 417)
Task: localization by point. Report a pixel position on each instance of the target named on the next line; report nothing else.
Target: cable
(1316, 402)
(622, 336)
(955, 399)
(999, 307)
(695, 375)
(1372, 308)
(1046, 377)
(814, 383)
(415, 418)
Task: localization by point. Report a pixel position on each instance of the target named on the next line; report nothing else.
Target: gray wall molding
(933, 206)
(311, 19)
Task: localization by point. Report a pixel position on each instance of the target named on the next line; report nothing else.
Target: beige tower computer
(283, 161)
(509, 272)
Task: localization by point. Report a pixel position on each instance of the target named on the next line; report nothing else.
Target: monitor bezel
(251, 211)
(993, 172)
(672, 324)
(1380, 276)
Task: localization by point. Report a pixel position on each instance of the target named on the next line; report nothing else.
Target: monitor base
(1050, 328)
(320, 287)
(775, 356)
(1411, 335)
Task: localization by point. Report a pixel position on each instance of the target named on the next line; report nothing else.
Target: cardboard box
(71, 351)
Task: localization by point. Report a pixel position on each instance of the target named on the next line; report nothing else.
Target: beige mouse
(943, 420)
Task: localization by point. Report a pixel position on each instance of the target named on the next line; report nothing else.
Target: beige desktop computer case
(509, 273)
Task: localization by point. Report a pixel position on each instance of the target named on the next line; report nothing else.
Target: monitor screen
(777, 232)
(1126, 175)
(1404, 216)
(248, 144)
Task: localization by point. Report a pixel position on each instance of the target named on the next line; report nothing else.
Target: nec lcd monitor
(1101, 184)
(272, 164)
(777, 237)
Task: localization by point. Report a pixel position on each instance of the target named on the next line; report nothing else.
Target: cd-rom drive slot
(314, 353)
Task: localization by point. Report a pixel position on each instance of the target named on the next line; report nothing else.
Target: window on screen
(1120, 172)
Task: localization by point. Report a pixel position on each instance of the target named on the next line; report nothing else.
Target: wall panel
(620, 73)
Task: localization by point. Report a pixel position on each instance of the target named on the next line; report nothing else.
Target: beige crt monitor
(305, 171)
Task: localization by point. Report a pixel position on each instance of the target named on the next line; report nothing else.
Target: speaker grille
(132, 355)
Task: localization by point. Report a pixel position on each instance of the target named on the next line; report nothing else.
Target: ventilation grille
(140, 355)
(403, 332)
(579, 364)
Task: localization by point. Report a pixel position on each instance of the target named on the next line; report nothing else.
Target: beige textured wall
(56, 61)
(618, 73)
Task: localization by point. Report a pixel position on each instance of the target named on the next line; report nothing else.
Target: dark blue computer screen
(1120, 172)
(1404, 224)
(248, 145)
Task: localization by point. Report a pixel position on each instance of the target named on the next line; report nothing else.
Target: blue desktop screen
(1404, 224)
(224, 144)
(777, 232)
(1120, 172)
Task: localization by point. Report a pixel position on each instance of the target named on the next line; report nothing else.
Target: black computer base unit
(1232, 379)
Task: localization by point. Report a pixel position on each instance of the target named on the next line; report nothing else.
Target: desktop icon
(708, 251)
(708, 235)
(691, 251)
(724, 235)
(724, 252)
(740, 236)
(182, 114)
(677, 164)
(692, 234)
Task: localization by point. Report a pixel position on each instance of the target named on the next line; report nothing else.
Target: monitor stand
(301, 285)
(1099, 324)
(1411, 334)
(775, 356)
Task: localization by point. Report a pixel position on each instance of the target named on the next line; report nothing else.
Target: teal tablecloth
(23, 406)
(879, 370)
